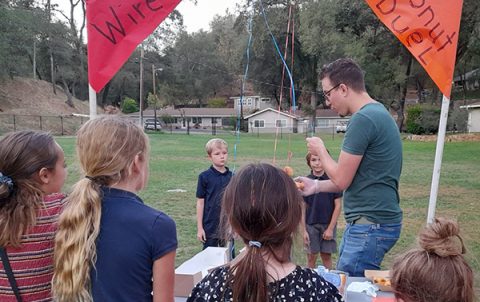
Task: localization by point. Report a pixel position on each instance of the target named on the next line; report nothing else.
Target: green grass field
(176, 161)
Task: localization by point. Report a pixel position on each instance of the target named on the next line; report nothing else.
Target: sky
(199, 16)
(195, 17)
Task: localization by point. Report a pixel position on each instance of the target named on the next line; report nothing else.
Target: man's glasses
(326, 94)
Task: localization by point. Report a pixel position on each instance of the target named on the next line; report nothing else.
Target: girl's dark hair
(261, 203)
(437, 270)
(22, 155)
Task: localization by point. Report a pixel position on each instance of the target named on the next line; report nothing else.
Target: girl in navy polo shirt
(110, 245)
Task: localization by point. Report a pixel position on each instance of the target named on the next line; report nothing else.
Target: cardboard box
(189, 273)
(374, 275)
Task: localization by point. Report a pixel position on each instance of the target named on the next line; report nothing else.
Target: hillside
(25, 96)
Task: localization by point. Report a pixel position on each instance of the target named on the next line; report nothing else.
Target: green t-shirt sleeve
(359, 133)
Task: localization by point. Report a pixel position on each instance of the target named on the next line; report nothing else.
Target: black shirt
(210, 187)
(303, 284)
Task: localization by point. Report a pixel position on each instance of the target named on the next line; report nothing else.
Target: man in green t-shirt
(368, 169)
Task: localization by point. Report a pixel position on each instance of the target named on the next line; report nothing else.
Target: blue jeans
(364, 246)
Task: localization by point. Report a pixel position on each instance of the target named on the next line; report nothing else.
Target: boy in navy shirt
(211, 184)
(321, 211)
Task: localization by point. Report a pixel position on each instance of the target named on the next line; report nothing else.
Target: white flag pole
(92, 99)
(438, 159)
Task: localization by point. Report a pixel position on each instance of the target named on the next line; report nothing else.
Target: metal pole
(438, 159)
(141, 87)
(155, 96)
(92, 99)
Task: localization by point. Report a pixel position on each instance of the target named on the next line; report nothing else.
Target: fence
(68, 125)
(57, 125)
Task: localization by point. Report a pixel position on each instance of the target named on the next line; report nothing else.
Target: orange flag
(115, 28)
(429, 30)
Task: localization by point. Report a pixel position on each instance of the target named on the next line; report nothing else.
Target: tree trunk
(38, 75)
(69, 100)
(314, 96)
(401, 104)
(106, 90)
(52, 71)
(419, 87)
(52, 66)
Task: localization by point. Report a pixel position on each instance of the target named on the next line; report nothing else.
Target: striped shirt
(32, 263)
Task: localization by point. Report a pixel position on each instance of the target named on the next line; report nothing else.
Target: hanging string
(281, 87)
(293, 108)
(285, 66)
(279, 53)
(242, 89)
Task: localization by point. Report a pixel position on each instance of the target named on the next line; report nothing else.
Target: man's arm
(200, 231)
(341, 174)
(328, 234)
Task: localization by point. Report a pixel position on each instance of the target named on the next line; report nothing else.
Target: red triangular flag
(429, 30)
(115, 28)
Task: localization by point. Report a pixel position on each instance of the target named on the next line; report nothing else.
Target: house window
(249, 102)
(265, 100)
(259, 124)
(280, 123)
(322, 123)
(196, 120)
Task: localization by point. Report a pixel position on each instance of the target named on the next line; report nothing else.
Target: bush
(167, 119)
(217, 103)
(422, 119)
(129, 105)
(414, 114)
(458, 120)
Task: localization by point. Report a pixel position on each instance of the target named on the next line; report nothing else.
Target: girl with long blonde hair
(110, 245)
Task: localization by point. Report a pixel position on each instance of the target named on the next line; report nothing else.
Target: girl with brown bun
(437, 270)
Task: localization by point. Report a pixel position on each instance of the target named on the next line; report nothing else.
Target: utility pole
(154, 72)
(34, 58)
(141, 86)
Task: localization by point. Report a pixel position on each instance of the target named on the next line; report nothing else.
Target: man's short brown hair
(344, 71)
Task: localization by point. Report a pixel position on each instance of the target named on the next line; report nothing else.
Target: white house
(471, 79)
(473, 124)
(270, 120)
(203, 118)
(252, 102)
(327, 120)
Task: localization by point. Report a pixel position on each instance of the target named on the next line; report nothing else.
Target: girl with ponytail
(110, 245)
(262, 205)
(436, 271)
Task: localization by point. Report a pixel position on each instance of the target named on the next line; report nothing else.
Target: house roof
(471, 106)
(468, 75)
(192, 112)
(227, 112)
(271, 109)
(326, 113)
